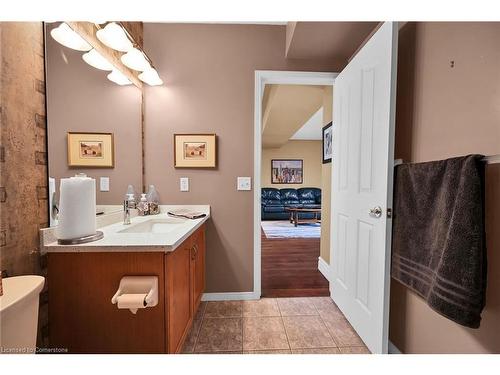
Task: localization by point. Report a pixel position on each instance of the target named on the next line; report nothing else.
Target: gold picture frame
(195, 151)
(91, 150)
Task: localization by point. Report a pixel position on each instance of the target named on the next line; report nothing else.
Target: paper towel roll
(132, 302)
(77, 207)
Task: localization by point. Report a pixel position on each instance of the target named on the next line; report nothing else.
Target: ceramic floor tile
(296, 306)
(278, 351)
(220, 334)
(330, 312)
(264, 333)
(262, 307)
(316, 351)
(191, 337)
(341, 331)
(355, 350)
(221, 353)
(201, 311)
(223, 309)
(307, 332)
(322, 302)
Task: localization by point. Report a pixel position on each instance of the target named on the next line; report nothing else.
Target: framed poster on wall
(327, 143)
(195, 151)
(287, 171)
(91, 150)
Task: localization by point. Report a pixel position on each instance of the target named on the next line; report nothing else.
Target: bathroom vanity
(83, 279)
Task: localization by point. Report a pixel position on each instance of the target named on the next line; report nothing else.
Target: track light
(66, 36)
(151, 77)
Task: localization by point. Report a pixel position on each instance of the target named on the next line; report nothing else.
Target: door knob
(376, 212)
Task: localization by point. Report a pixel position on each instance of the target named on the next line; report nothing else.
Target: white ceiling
(312, 129)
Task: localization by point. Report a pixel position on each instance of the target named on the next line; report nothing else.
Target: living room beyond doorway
(294, 174)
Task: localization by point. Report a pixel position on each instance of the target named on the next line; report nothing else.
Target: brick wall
(23, 155)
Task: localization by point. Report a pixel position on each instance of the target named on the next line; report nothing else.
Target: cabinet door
(198, 266)
(179, 295)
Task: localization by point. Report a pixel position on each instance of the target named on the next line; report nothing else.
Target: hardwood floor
(290, 268)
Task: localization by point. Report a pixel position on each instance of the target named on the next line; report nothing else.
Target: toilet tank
(19, 313)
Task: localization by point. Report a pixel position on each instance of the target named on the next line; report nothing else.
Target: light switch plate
(184, 184)
(104, 184)
(244, 183)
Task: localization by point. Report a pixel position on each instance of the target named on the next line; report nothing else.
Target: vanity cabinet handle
(194, 251)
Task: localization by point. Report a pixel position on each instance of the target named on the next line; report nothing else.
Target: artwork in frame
(91, 150)
(287, 171)
(327, 143)
(195, 150)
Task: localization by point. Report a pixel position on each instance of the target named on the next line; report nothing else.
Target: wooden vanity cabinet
(83, 320)
(185, 283)
(198, 268)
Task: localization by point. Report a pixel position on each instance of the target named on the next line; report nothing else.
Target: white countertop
(118, 241)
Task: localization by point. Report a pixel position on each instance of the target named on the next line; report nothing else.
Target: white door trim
(324, 268)
(263, 77)
(230, 296)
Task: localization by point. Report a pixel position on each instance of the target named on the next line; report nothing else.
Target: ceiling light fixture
(119, 78)
(95, 59)
(114, 36)
(151, 77)
(135, 59)
(66, 36)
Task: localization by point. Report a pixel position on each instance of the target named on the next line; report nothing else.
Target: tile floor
(309, 325)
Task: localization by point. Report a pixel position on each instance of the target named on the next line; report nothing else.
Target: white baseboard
(236, 296)
(393, 348)
(324, 268)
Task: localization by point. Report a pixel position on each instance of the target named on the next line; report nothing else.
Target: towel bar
(490, 159)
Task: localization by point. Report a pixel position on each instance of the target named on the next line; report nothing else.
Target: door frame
(262, 78)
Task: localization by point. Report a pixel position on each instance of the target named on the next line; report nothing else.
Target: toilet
(19, 313)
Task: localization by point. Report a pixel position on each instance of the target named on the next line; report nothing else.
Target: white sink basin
(157, 226)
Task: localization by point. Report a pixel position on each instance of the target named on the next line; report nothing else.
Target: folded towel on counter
(187, 214)
(438, 236)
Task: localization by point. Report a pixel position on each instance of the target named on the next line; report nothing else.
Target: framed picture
(287, 171)
(91, 150)
(195, 151)
(327, 143)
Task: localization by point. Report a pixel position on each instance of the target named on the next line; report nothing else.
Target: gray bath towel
(438, 237)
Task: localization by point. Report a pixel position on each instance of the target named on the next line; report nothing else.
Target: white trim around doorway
(324, 268)
(262, 78)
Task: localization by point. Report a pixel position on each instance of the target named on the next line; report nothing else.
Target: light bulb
(114, 37)
(119, 78)
(66, 36)
(151, 77)
(95, 59)
(136, 60)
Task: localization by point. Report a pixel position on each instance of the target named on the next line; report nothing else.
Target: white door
(362, 162)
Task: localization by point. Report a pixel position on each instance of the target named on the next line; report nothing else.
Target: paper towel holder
(76, 241)
(139, 285)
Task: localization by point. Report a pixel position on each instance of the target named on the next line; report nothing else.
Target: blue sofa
(274, 201)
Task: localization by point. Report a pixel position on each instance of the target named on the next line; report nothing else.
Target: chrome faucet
(128, 204)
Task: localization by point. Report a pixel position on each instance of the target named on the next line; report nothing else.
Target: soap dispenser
(153, 200)
(130, 190)
(143, 206)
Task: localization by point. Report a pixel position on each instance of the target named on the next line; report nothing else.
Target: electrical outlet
(104, 184)
(244, 183)
(184, 183)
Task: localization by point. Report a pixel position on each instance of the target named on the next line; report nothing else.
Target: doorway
(294, 184)
(363, 155)
(263, 79)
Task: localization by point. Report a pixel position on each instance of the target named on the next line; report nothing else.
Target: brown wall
(308, 151)
(208, 72)
(23, 178)
(80, 98)
(444, 112)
